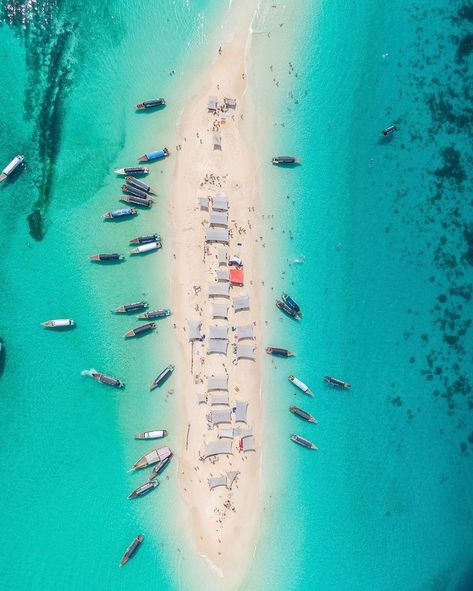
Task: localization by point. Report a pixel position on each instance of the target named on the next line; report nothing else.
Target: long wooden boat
(12, 166)
(140, 330)
(132, 548)
(136, 192)
(151, 104)
(286, 298)
(144, 489)
(389, 130)
(132, 170)
(59, 323)
(152, 457)
(133, 182)
(103, 256)
(162, 377)
(300, 385)
(159, 467)
(154, 155)
(144, 202)
(337, 382)
(134, 307)
(287, 310)
(164, 313)
(152, 434)
(120, 213)
(278, 352)
(302, 414)
(100, 377)
(285, 160)
(150, 246)
(146, 239)
(303, 441)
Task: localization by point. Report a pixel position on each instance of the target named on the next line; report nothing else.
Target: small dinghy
(302, 414)
(278, 352)
(154, 155)
(152, 434)
(146, 248)
(140, 330)
(151, 104)
(143, 489)
(153, 457)
(285, 160)
(139, 184)
(120, 213)
(389, 130)
(132, 548)
(164, 313)
(304, 442)
(12, 166)
(61, 323)
(132, 170)
(163, 376)
(300, 385)
(143, 202)
(336, 382)
(159, 467)
(146, 239)
(287, 310)
(113, 256)
(134, 307)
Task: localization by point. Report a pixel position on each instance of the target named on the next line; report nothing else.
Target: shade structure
(219, 398)
(218, 218)
(213, 448)
(241, 303)
(242, 432)
(248, 444)
(215, 481)
(218, 346)
(220, 311)
(231, 475)
(217, 235)
(219, 416)
(218, 332)
(201, 398)
(217, 383)
(212, 104)
(226, 433)
(203, 202)
(244, 332)
(219, 289)
(217, 140)
(194, 327)
(222, 256)
(241, 409)
(223, 274)
(220, 202)
(245, 352)
(236, 276)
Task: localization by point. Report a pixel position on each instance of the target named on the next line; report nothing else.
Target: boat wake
(88, 372)
(298, 260)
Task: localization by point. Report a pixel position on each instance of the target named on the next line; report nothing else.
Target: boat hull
(162, 377)
(303, 442)
(132, 170)
(132, 548)
(159, 434)
(278, 352)
(60, 323)
(140, 330)
(303, 387)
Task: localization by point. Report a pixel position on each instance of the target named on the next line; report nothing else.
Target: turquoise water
(385, 232)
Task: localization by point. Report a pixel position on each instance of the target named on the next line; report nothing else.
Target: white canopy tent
(218, 218)
(217, 383)
(244, 332)
(248, 444)
(217, 235)
(222, 256)
(219, 289)
(215, 481)
(223, 274)
(219, 416)
(212, 104)
(220, 398)
(245, 352)
(220, 202)
(241, 411)
(217, 140)
(218, 332)
(218, 346)
(201, 398)
(204, 203)
(220, 311)
(241, 303)
(221, 446)
(194, 327)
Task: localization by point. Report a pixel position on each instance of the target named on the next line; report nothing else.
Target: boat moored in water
(134, 307)
(337, 382)
(146, 239)
(143, 201)
(151, 104)
(143, 489)
(389, 130)
(60, 323)
(132, 548)
(12, 166)
(162, 377)
(164, 313)
(159, 467)
(154, 155)
(302, 414)
(100, 377)
(287, 310)
(140, 185)
(103, 256)
(159, 434)
(285, 160)
(150, 246)
(152, 457)
(300, 385)
(132, 170)
(303, 441)
(286, 298)
(120, 213)
(140, 330)
(278, 352)
(136, 192)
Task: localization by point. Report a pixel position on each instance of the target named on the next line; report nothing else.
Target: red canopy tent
(236, 276)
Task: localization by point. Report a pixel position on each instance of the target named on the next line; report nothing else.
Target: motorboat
(140, 330)
(12, 166)
(132, 170)
(144, 489)
(389, 130)
(150, 246)
(120, 213)
(146, 239)
(302, 414)
(285, 160)
(152, 457)
(139, 184)
(159, 467)
(300, 385)
(152, 434)
(132, 548)
(60, 323)
(278, 352)
(162, 377)
(287, 310)
(103, 256)
(304, 442)
(134, 307)
(136, 192)
(164, 313)
(286, 298)
(151, 104)
(336, 382)
(142, 201)
(100, 377)
(154, 155)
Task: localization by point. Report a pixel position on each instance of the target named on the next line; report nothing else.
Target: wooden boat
(139, 184)
(159, 467)
(152, 434)
(120, 213)
(140, 330)
(114, 256)
(60, 323)
(151, 104)
(300, 385)
(143, 489)
(304, 442)
(303, 414)
(100, 377)
(164, 313)
(134, 307)
(287, 310)
(135, 192)
(132, 170)
(336, 382)
(163, 376)
(389, 130)
(285, 160)
(132, 548)
(278, 352)
(286, 298)
(12, 166)
(146, 239)
(144, 202)
(154, 155)
(153, 457)
(150, 246)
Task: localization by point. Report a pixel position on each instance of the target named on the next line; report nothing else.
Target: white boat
(60, 323)
(152, 434)
(300, 385)
(132, 170)
(153, 457)
(146, 247)
(9, 168)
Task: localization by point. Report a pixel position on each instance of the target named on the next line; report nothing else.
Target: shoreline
(223, 525)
